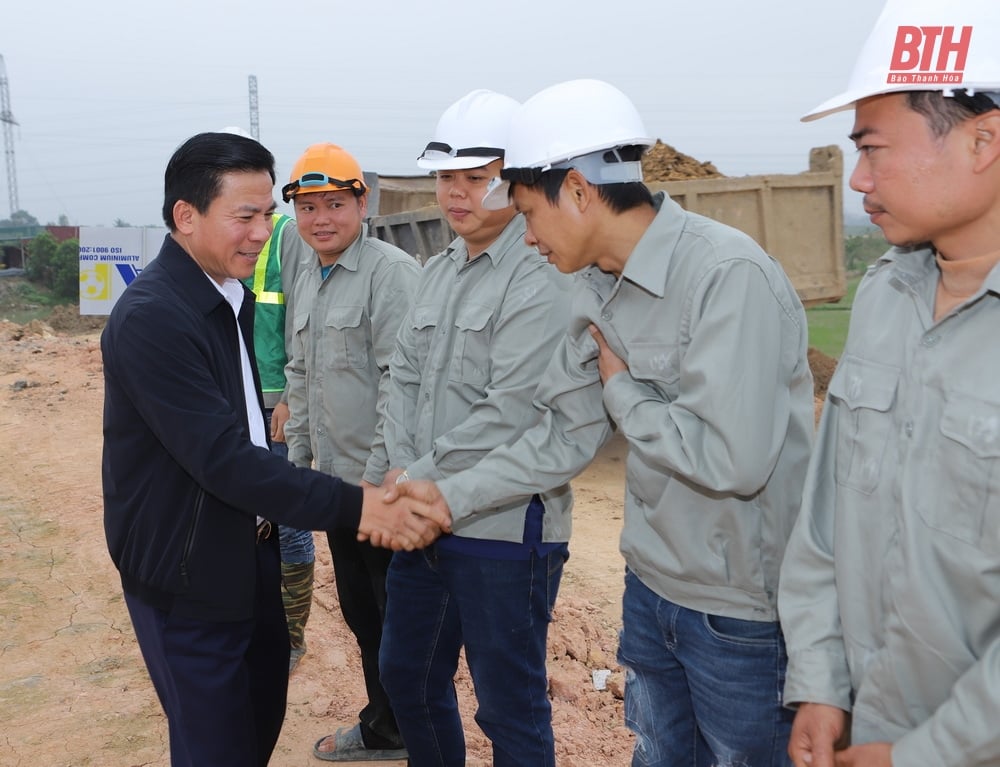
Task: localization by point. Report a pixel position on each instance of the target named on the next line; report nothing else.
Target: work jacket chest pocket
(866, 392)
(473, 335)
(423, 327)
(656, 364)
(963, 481)
(345, 337)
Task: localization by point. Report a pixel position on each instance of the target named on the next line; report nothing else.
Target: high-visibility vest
(269, 319)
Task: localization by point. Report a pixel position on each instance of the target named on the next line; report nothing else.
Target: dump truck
(796, 218)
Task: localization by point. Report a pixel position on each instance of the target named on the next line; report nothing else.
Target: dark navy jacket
(183, 484)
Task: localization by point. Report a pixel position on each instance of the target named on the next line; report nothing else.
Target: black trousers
(223, 686)
(360, 570)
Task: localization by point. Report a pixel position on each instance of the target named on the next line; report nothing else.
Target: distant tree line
(864, 249)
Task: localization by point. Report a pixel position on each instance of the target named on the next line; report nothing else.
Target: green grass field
(828, 322)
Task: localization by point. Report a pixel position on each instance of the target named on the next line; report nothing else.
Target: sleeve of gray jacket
(963, 731)
(398, 426)
(807, 592)
(572, 425)
(392, 294)
(297, 426)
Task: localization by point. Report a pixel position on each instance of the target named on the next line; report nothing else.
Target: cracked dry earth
(73, 689)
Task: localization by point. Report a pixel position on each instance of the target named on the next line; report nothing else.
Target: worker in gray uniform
(890, 594)
(686, 336)
(488, 315)
(347, 305)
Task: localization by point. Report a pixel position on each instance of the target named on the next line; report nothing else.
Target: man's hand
(279, 416)
(422, 497)
(608, 363)
(390, 477)
(815, 734)
(868, 755)
(395, 526)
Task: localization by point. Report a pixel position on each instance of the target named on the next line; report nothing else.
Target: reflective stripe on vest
(267, 273)
(269, 323)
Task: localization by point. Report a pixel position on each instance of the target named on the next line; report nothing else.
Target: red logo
(929, 55)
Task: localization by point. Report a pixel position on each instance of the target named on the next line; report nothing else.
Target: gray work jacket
(343, 333)
(890, 595)
(465, 368)
(716, 407)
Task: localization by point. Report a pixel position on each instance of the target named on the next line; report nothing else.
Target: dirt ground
(73, 689)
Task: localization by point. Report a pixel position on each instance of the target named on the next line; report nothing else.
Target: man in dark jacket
(187, 472)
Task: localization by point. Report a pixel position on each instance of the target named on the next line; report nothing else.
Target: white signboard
(110, 258)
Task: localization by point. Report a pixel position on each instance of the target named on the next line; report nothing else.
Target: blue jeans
(297, 546)
(500, 610)
(701, 689)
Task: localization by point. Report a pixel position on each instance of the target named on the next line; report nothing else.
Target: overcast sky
(104, 92)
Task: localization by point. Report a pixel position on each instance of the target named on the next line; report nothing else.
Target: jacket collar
(649, 263)
(191, 279)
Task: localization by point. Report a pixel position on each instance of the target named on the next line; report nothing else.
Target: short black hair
(619, 197)
(945, 112)
(194, 173)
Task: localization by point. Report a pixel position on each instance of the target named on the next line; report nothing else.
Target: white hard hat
(925, 45)
(471, 133)
(235, 130)
(572, 124)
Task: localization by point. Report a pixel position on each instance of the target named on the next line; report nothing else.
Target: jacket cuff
(817, 677)
(347, 507)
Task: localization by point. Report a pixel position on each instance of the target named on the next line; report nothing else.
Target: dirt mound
(67, 319)
(822, 366)
(664, 163)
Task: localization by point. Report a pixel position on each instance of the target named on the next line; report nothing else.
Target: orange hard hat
(324, 168)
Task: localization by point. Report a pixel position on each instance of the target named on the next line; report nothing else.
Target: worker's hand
(279, 416)
(608, 363)
(816, 732)
(368, 485)
(390, 477)
(422, 497)
(395, 526)
(867, 755)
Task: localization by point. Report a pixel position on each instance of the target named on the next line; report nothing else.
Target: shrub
(38, 265)
(66, 269)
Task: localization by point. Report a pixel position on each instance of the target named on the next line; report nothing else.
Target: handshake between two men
(403, 516)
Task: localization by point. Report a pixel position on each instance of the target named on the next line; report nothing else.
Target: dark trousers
(222, 686)
(360, 570)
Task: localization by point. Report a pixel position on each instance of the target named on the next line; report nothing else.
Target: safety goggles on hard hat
(604, 166)
(439, 155)
(978, 103)
(315, 178)
(437, 149)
